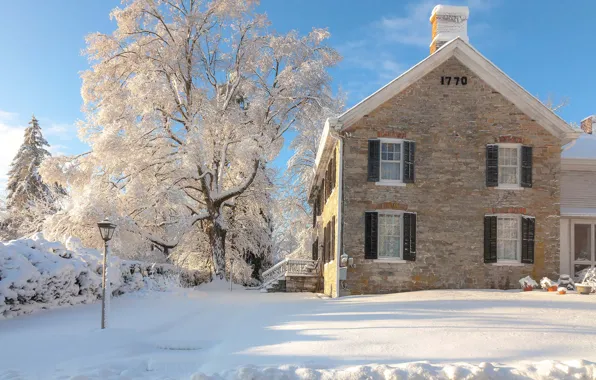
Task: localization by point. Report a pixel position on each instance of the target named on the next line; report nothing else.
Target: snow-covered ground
(174, 335)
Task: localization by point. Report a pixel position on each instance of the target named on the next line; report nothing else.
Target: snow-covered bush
(588, 277)
(39, 274)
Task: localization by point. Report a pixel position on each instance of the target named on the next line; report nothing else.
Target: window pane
(508, 238)
(389, 235)
(508, 175)
(390, 151)
(390, 170)
(583, 242)
(508, 166)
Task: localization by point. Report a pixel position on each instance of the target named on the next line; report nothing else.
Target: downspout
(339, 223)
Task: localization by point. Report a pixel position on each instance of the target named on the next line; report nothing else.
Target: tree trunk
(217, 239)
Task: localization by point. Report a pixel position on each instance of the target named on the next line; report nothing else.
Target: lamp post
(106, 229)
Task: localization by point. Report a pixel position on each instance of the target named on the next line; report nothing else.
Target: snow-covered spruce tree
(184, 103)
(29, 200)
(24, 183)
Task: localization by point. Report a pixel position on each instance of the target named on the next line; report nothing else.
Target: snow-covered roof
(583, 147)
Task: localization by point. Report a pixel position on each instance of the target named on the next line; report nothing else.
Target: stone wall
(451, 126)
(327, 214)
(301, 283)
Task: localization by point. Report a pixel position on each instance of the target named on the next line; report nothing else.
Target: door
(583, 255)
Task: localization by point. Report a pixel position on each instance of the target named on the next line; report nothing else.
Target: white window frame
(510, 186)
(574, 262)
(399, 259)
(519, 218)
(392, 182)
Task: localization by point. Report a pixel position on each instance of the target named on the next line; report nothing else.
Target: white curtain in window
(508, 238)
(390, 161)
(389, 235)
(508, 166)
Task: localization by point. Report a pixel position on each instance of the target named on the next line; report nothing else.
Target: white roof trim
(482, 67)
(324, 145)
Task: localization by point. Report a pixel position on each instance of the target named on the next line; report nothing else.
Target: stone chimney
(587, 124)
(448, 22)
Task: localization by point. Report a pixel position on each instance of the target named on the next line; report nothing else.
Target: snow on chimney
(587, 124)
(448, 22)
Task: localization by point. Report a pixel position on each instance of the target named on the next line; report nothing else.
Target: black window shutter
(490, 239)
(528, 233)
(409, 151)
(327, 243)
(332, 251)
(374, 160)
(315, 249)
(526, 169)
(371, 223)
(492, 165)
(324, 253)
(333, 170)
(409, 239)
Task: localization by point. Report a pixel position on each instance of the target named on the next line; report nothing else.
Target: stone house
(447, 177)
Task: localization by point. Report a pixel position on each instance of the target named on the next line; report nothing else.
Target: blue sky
(545, 45)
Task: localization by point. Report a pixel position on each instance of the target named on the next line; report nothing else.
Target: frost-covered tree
(24, 183)
(184, 103)
(29, 200)
(294, 217)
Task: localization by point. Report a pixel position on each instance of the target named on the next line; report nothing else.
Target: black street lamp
(106, 229)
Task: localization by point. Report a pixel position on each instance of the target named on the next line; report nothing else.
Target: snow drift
(38, 274)
(547, 369)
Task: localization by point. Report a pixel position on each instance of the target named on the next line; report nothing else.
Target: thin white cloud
(60, 131)
(7, 116)
(413, 28)
(376, 54)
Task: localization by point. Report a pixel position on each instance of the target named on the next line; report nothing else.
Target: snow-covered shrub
(588, 277)
(528, 281)
(39, 274)
(546, 283)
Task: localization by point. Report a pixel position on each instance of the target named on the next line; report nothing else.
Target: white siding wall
(578, 189)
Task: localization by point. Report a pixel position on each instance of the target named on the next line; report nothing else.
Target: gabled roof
(477, 63)
(485, 70)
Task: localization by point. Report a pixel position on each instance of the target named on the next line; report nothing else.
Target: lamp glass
(106, 229)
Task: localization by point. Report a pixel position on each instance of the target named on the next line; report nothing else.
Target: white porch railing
(289, 267)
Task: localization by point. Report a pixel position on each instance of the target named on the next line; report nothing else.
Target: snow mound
(39, 274)
(577, 369)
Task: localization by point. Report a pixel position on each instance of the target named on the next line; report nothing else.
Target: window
(509, 238)
(584, 249)
(389, 236)
(391, 161)
(508, 241)
(508, 166)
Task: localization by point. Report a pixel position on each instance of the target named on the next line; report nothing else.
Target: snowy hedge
(39, 274)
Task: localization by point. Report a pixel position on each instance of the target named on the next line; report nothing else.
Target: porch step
(277, 286)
